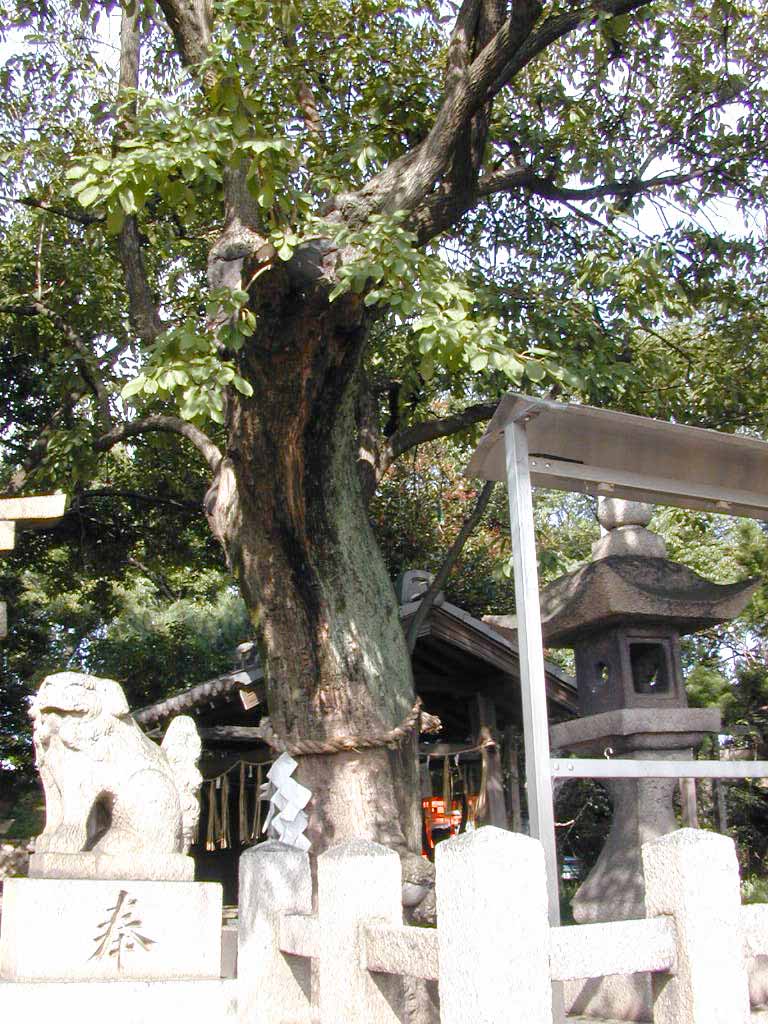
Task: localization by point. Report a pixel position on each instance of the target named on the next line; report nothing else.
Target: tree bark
(289, 509)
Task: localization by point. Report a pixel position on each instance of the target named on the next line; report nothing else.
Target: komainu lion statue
(110, 792)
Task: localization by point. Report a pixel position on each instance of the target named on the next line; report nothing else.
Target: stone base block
(619, 997)
(120, 1002)
(151, 867)
(758, 980)
(628, 997)
(75, 929)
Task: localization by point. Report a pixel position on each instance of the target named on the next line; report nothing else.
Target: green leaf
(127, 200)
(240, 123)
(133, 387)
(89, 195)
(619, 25)
(115, 221)
(243, 386)
(534, 370)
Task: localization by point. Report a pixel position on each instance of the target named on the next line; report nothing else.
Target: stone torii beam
(29, 513)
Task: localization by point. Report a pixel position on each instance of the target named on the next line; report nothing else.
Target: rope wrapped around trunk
(342, 744)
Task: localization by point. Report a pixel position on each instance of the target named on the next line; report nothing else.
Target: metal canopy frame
(571, 447)
(625, 768)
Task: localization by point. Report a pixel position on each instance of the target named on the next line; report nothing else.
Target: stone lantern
(623, 613)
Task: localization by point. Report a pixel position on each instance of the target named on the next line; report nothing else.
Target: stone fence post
(357, 882)
(694, 876)
(493, 929)
(272, 988)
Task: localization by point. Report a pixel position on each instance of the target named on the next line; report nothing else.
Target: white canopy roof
(598, 451)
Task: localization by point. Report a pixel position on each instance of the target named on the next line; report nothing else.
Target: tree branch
(369, 441)
(481, 22)
(39, 449)
(448, 563)
(190, 22)
(406, 181)
(524, 178)
(84, 357)
(144, 315)
(441, 209)
(167, 424)
(143, 312)
(149, 499)
(154, 577)
(77, 216)
(419, 433)
(553, 29)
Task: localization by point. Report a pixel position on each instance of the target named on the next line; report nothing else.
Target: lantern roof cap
(631, 590)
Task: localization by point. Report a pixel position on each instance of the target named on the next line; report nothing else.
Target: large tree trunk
(291, 514)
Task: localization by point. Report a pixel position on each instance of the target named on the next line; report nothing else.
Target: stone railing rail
(493, 952)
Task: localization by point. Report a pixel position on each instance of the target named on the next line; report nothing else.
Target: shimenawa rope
(341, 744)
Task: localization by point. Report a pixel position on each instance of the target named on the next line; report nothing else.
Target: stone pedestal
(78, 930)
(642, 808)
(139, 864)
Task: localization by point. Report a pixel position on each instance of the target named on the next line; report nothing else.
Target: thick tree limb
(524, 178)
(76, 216)
(149, 499)
(39, 449)
(167, 424)
(430, 430)
(554, 29)
(130, 62)
(143, 312)
(85, 359)
(406, 181)
(481, 22)
(448, 563)
(369, 442)
(190, 23)
(83, 355)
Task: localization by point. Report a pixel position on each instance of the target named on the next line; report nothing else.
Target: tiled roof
(238, 679)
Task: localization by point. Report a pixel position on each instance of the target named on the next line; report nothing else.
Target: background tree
(331, 233)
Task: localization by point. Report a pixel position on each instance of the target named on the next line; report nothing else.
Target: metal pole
(532, 679)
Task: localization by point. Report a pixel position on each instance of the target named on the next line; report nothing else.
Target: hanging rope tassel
(225, 840)
(470, 799)
(242, 809)
(256, 827)
(482, 794)
(210, 835)
(446, 786)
